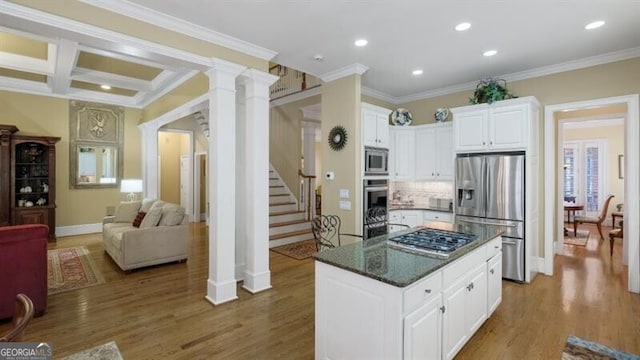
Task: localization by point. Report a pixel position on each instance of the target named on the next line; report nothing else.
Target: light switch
(344, 193)
(345, 205)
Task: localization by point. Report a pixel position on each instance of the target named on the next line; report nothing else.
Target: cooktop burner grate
(438, 242)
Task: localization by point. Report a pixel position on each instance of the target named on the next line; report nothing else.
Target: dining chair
(22, 316)
(615, 233)
(581, 219)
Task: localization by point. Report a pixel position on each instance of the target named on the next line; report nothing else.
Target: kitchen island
(377, 301)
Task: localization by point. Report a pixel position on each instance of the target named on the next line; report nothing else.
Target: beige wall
(615, 146)
(341, 106)
(285, 140)
(614, 79)
(171, 146)
(48, 116)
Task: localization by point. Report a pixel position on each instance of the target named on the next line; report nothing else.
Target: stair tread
(284, 203)
(279, 195)
(276, 186)
(293, 233)
(285, 223)
(286, 212)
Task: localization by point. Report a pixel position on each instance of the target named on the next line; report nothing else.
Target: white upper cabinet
(402, 154)
(375, 126)
(504, 125)
(434, 152)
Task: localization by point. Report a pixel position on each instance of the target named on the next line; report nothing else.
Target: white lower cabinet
(422, 331)
(411, 218)
(494, 283)
(358, 317)
(465, 306)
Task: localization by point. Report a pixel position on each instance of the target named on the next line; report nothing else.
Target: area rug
(577, 349)
(580, 239)
(300, 250)
(108, 351)
(70, 269)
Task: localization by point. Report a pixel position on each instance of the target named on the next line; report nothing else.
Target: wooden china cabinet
(29, 197)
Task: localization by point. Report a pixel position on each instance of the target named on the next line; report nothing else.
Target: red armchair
(23, 266)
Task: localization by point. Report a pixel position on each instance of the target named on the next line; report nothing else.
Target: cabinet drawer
(451, 273)
(437, 216)
(424, 290)
(493, 247)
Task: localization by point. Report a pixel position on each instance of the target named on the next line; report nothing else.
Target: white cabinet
(503, 125)
(436, 216)
(465, 302)
(402, 154)
(494, 283)
(410, 218)
(358, 317)
(434, 152)
(375, 126)
(422, 331)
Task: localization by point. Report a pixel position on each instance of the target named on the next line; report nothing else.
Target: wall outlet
(345, 205)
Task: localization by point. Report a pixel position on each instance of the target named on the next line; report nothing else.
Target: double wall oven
(375, 215)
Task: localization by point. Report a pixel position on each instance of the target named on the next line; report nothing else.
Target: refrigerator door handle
(487, 223)
(507, 242)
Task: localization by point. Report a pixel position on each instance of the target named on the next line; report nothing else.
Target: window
(584, 164)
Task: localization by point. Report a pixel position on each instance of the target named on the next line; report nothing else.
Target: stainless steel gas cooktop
(440, 243)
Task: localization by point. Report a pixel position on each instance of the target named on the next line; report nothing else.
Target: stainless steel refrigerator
(490, 190)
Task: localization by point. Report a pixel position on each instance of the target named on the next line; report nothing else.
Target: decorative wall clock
(337, 138)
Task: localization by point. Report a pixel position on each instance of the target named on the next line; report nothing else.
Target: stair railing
(307, 201)
(290, 82)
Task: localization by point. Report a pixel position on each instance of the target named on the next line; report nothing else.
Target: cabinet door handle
(428, 291)
(491, 271)
(496, 247)
(483, 143)
(468, 287)
(438, 174)
(443, 309)
(471, 285)
(432, 174)
(490, 142)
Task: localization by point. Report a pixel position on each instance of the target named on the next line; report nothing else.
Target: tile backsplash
(419, 192)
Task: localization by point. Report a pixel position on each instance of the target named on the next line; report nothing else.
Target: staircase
(287, 224)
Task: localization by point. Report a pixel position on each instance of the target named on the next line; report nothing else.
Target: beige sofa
(162, 234)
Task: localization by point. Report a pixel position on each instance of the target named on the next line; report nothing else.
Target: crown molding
(169, 22)
(352, 69)
(379, 95)
(529, 74)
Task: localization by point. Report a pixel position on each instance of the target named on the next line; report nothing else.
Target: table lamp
(131, 186)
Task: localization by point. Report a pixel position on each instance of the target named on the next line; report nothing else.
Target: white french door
(584, 173)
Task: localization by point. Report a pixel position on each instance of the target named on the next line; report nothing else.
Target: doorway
(554, 196)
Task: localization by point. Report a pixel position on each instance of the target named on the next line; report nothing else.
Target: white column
(150, 160)
(241, 173)
(221, 285)
(257, 276)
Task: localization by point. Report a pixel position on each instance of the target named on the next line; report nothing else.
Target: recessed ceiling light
(361, 42)
(463, 26)
(105, 87)
(594, 25)
(490, 52)
(417, 72)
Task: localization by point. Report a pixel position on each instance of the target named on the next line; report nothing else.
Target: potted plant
(490, 90)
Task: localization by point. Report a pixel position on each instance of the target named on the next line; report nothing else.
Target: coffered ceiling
(62, 67)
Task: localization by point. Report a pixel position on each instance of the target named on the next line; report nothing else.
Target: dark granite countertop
(376, 259)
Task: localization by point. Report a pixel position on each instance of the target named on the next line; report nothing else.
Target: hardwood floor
(160, 312)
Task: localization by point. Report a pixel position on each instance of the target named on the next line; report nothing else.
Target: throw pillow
(172, 214)
(138, 219)
(127, 211)
(152, 218)
(146, 205)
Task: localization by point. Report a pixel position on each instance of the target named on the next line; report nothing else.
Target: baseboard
(78, 229)
(540, 265)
